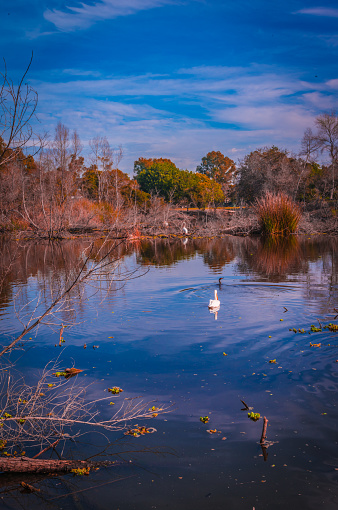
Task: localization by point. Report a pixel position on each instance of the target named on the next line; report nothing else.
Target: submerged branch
(28, 465)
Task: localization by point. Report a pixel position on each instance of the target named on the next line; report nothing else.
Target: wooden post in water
(263, 437)
(265, 424)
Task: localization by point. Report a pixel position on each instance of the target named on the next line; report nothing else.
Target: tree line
(39, 188)
(53, 183)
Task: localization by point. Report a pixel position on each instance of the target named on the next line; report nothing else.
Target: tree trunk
(28, 465)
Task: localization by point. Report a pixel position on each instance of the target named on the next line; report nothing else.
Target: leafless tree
(61, 154)
(41, 205)
(327, 136)
(18, 105)
(106, 162)
(76, 147)
(47, 193)
(309, 145)
(267, 169)
(96, 154)
(324, 140)
(76, 164)
(117, 159)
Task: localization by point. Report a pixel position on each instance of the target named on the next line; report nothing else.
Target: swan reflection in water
(214, 311)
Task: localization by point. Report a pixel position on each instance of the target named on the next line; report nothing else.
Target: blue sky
(177, 78)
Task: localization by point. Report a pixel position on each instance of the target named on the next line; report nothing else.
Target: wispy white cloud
(320, 101)
(235, 110)
(37, 32)
(81, 72)
(271, 118)
(83, 15)
(242, 85)
(332, 84)
(319, 11)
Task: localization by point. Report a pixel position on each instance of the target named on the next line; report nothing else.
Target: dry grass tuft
(277, 214)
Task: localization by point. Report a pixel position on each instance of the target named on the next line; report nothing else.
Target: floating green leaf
(254, 416)
(204, 419)
(115, 390)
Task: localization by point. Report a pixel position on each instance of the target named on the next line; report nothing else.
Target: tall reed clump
(277, 214)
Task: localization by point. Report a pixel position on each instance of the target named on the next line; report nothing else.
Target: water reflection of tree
(158, 252)
(273, 257)
(218, 252)
(215, 252)
(61, 272)
(48, 262)
(278, 259)
(322, 281)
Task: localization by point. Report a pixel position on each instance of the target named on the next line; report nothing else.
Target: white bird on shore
(214, 303)
(184, 229)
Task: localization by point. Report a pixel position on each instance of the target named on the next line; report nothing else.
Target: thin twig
(93, 487)
(45, 449)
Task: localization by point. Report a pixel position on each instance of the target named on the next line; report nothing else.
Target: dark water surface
(157, 339)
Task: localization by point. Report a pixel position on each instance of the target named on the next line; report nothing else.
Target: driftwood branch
(246, 407)
(28, 465)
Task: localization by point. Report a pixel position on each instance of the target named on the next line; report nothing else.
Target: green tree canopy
(218, 167)
(157, 175)
(162, 176)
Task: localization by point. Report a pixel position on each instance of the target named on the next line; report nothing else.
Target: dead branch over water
(98, 264)
(55, 410)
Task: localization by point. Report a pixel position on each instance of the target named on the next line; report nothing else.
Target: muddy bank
(209, 223)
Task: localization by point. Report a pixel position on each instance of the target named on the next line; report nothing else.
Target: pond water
(155, 337)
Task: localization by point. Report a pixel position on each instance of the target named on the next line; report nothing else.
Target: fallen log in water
(28, 465)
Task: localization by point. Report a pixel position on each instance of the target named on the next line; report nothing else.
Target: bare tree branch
(17, 108)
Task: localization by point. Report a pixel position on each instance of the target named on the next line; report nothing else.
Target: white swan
(214, 303)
